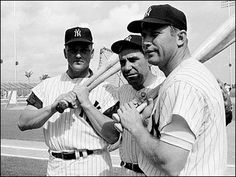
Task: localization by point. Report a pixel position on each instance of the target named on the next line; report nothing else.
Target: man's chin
(152, 61)
(133, 82)
(78, 67)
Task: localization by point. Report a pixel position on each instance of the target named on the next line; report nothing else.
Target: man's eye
(71, 50)
(122, 63)
(84, 50)
(133, 59)
(143, 34)
(155, 34)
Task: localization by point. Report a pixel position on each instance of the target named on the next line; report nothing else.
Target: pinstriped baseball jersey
(71, 130)
(192, 92)
(128, 148)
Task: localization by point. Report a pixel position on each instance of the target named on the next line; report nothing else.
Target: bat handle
(141, 107)
(116, 117)
(118, 127)
(61, 106)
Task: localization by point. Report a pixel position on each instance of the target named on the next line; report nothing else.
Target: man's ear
(65, 54)
(181, 38)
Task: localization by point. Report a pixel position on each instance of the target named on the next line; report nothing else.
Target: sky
(32, 32)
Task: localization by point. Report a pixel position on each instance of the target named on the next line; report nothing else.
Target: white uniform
(129, 149)
(71, 130)
(192, 92)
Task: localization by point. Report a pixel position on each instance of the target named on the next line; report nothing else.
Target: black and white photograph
(118, 88)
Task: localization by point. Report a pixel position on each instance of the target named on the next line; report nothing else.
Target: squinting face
(78, 56)
(158, 44)
(134, 66)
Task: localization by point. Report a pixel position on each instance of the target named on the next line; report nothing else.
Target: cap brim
(135, 26)
(116, 47)
(78, 40)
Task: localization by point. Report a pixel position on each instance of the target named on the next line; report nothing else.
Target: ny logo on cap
(77, 33)
(128, 38)
(148, 12)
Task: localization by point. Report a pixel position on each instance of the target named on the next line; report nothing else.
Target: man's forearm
(101, 123)
(149, 145)
(33, 119)
(156, 151)
(166, 157)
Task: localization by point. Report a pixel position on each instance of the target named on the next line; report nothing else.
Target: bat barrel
(217, 41)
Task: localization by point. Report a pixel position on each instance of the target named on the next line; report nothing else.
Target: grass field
(25, 154)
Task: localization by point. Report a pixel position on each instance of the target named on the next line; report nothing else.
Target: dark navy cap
(128, 42)
(78, 34)
(162, 15)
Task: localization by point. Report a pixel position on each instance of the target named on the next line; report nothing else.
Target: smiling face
(78, 55)
(134, 67)
(159, 44)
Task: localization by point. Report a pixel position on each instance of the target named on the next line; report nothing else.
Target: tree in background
(28, 74)
(43, 77)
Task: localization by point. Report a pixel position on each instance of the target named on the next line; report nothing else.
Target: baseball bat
(104, 76)
(219, 40)
(223, 37)
(61, 106)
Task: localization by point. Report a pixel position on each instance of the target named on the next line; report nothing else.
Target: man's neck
(74, 75)
(150, 78)
(176, 60)
(137, 87)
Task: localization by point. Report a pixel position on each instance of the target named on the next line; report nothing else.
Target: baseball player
(136, 70)
(188, 134)
(78, 138)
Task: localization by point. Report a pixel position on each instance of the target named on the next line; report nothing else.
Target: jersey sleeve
(34, 101)
(184, 100)
(112, 110)
(37, 96)
(106, 97)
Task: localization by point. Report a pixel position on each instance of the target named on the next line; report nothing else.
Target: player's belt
(131, 166)
(74, 154)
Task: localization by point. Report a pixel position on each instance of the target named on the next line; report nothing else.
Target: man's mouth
(131, 75)
(78, 62)
(148, 52)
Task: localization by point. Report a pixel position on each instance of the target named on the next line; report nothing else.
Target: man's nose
(147, 41)
(128, 66)
(78, 55)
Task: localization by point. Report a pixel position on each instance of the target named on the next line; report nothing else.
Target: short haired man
(136, 70)
(78, 138)
(188, 135)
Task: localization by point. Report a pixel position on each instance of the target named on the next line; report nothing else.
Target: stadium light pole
(15, 44)
(228, 5)
(230, 52)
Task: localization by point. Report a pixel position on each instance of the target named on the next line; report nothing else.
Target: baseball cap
(162, 15)
(78, 34)
(130, 41)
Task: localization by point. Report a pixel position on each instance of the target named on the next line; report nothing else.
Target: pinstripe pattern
(129, 149)
(126, 172)
(69, 131)
(93, 165)
(192, 92)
